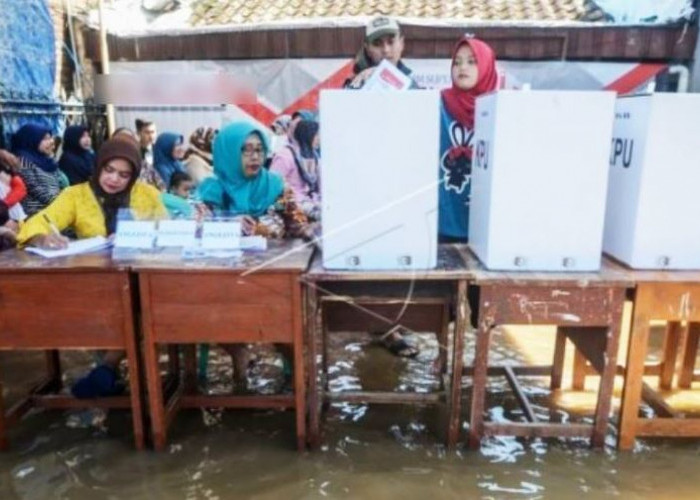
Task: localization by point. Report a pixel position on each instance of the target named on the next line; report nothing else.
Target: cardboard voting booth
(539, 179)
(653, 201)
(379, 182)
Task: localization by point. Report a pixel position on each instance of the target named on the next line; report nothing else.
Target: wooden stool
(82, 302)
(671, 297)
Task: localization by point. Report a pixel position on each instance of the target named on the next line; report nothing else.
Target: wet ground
(370, 452)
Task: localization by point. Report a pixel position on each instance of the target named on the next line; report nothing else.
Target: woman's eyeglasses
(252, 151)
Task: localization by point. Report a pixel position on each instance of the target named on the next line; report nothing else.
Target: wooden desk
(373, 300)
(253, 299)
(81, 302)
(672, 296)
(571, 301)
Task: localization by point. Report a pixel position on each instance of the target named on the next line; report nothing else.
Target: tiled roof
(251, 12)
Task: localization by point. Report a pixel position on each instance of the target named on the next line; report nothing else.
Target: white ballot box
(539, 179)
(380, 153)
(652, 219)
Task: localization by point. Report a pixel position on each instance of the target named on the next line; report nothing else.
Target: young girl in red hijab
(473, 74)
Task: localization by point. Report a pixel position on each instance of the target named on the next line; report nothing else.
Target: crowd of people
(270, 179)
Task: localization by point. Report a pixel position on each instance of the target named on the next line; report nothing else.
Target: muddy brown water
(368, 452)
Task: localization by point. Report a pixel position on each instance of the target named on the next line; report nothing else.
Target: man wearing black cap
(383, 40)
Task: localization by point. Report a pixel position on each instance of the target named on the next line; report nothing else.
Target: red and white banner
(283, 86)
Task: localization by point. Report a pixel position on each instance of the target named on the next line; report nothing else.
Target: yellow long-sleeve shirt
(77, 208)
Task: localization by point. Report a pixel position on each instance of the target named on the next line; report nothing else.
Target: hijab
(230, 189)
(25, 144)
(305, 157)
(461, 103)
(163, 160)
(76, 162)
(111, 203)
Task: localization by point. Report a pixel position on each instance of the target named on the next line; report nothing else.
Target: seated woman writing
(90, 209)
(242, 187)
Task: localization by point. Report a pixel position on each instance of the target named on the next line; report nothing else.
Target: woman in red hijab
(473, 74)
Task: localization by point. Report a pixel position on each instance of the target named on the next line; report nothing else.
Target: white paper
(176, 233)
(386, 76)
(254, 243)
(135, 234)
(221, 235)
(74, 247)
(203, 253)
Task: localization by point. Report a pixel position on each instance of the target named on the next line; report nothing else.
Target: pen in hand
(52, 226)
(55, 239)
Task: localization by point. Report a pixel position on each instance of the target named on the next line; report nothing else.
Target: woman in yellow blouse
(90, 209)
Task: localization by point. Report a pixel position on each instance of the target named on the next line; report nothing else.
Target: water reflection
(369, 451)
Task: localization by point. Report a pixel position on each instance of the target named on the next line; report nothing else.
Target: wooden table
(375, 301)
(672, 296)
(256, 298)
(80, 302)
(571, 301)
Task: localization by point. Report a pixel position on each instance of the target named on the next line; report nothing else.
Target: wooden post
(104, 58)
(558, 362)
(632, 390)
(691, 350)
(455, 408)
(672, 337)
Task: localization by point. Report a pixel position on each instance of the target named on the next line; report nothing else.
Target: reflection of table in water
(256, 298)
(574, 302)
(672, 296)
(375, 301)
(79, 302)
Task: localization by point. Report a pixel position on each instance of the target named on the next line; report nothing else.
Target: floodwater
(368, 452)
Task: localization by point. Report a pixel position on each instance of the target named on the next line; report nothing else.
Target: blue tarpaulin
(27, 66)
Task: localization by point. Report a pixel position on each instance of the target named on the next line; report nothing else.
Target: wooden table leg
(442, 338)
(461, 321)
(154, 383)
(634, 371)
(579, 371)
(558, 361)
(672, 337)
(135, 392)
(189, 355)
(313, 324)
(4, 443)
(480, 377)
(174, 359)
(155, 395)
(605, 387)
(132, 358)
(53, 368)
(299, 373)
(685, 378)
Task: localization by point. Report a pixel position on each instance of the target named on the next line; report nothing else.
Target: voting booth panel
(380, 175)
(539, 179)
(653, 203)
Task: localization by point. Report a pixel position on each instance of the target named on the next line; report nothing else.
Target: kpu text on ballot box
(539, 179)
(379, 182)
(653, 201)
